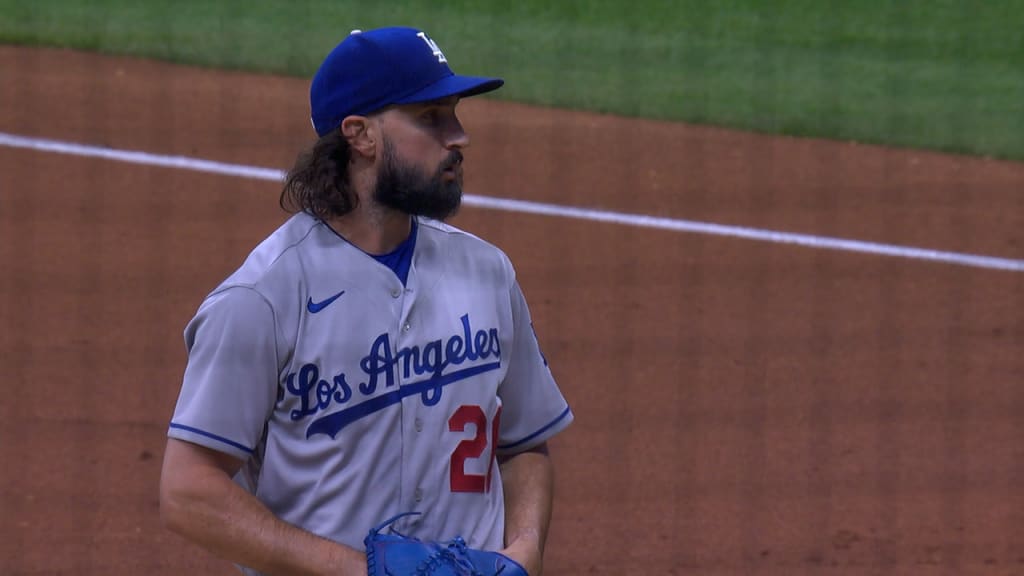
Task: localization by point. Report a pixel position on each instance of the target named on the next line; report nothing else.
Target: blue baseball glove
(394, 554)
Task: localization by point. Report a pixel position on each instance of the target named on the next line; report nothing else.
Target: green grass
(942, 74)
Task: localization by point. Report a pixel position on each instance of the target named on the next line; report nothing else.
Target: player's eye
(431, 116)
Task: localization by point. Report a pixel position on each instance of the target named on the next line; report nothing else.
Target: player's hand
(527, 554)
(353, 567)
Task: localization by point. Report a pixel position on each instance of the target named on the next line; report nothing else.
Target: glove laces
(451, 553)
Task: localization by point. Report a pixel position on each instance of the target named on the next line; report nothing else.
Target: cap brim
(454, 85)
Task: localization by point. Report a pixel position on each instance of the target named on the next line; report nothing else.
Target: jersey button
(396, 293)
(406, 327)
(419, 425)
(418, 495)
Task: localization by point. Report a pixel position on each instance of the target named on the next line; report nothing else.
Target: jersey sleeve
(533, 408)
(230, 383)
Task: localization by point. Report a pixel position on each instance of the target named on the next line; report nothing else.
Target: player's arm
(528, 479)
(200, 501)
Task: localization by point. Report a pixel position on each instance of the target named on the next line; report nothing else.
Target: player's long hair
(318, 182)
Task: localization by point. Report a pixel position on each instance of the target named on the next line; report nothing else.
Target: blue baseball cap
(371, 70)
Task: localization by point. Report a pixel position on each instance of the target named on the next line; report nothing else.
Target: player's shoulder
(457, 238)
(267, 286)
(456, 244)
(276, 251)
(277, 262)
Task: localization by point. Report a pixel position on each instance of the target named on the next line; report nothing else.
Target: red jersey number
(472, 448)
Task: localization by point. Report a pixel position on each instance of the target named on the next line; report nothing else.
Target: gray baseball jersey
(353, 397)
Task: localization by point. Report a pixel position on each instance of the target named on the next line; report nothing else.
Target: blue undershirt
(400, 259)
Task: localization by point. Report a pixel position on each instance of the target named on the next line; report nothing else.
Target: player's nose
(456, 136)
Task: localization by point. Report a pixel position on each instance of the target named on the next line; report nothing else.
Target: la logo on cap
(433, 47)
(372, 69)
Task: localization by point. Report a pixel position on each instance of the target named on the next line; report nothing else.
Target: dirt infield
(742, 407)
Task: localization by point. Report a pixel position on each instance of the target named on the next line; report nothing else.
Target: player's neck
(374, 231)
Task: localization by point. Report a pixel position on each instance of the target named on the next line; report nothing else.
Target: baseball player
(366, 359)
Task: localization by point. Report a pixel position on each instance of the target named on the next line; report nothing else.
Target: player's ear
(360, 133)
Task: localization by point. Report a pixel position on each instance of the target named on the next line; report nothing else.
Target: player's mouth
(451, 169)
(452, 172)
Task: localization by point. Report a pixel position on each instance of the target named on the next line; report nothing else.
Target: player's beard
(406, 188)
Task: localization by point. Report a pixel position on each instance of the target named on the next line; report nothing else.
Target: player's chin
(444, 203)
(449, 208)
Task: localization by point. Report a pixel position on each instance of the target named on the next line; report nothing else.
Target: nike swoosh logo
(315, 307)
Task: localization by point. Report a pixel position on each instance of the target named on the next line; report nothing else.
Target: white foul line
(522, 206)
(145, 158)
